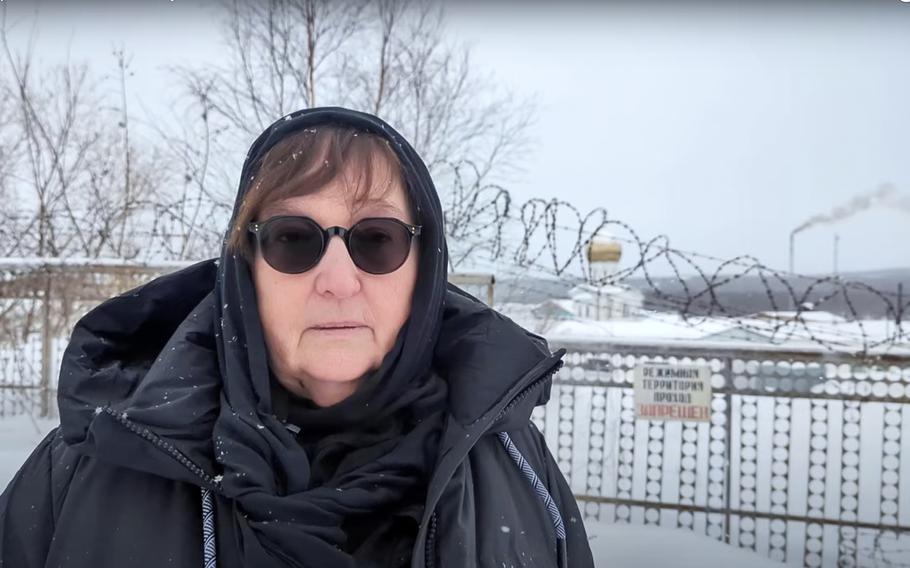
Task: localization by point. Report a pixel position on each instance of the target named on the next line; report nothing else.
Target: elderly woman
(305, 400)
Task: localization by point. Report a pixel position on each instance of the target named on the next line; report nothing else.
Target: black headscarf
(355, 498)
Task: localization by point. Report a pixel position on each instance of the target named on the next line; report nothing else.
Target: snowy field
(614, 546)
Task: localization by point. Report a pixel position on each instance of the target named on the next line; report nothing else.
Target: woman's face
(326, 366)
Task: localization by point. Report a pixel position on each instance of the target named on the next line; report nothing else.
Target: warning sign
(665, 391)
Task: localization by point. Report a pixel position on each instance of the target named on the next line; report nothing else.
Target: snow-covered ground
(639, 546)
(18, 435)
(614, 545)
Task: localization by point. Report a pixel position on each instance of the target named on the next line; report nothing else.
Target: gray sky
(721, 126)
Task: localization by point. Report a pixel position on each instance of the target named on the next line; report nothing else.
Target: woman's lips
(339, 331)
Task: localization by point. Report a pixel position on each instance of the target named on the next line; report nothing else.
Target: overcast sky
(721, 125)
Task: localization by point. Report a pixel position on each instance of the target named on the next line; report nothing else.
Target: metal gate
(802, 460)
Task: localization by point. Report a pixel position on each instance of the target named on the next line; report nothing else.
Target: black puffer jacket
(132, 477)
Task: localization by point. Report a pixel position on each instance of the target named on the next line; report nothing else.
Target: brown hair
(307, 161)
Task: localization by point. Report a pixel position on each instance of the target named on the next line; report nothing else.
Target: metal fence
(40, 301)
(802, 460)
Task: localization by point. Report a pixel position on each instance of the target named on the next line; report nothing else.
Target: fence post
(728, 465)
(47, 338)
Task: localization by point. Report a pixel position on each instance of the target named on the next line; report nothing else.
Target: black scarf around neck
(348, 489)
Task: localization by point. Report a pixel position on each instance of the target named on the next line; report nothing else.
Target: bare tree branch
(387, 57)
(71, 167)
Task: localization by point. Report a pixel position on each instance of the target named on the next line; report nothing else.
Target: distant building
(603, 303)
(600, 299)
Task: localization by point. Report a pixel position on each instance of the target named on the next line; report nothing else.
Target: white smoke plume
(886, 195)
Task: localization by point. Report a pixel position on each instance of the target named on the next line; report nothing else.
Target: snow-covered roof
(813, 316)
(589, 291)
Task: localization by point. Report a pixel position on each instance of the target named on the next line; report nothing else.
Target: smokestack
(792, 243)
(836, 241)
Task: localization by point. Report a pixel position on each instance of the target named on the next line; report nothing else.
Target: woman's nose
(337, 275)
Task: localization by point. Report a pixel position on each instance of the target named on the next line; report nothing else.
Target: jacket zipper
(430, 560)
(529, 389)
(208, 480)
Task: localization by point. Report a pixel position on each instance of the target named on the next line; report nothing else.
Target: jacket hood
(172, 359)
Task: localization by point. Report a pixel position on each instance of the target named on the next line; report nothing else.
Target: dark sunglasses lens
(379, 246)
(291, 245)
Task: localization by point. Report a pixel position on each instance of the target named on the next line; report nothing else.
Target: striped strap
(208, 529)
(536, 483)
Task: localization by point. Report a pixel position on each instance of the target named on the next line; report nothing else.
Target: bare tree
(189, 220)
(388, 57)
(71, 175)
(10, 151)
(87, 185)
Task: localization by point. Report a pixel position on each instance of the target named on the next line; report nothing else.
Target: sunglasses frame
(256, 228)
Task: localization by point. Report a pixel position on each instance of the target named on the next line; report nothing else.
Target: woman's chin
(329, 384)
(336, 374)
(328, 393)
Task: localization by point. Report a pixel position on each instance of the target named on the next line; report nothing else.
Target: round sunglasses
(294, 244)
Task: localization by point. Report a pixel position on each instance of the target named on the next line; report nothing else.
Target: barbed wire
(793, 327)
(485, 225)
(466, 217)
(466, 207)
(480, 216)
(790, 328)
(740, 260)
